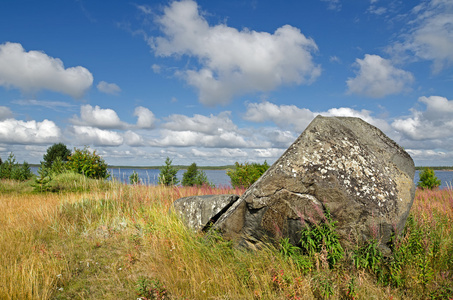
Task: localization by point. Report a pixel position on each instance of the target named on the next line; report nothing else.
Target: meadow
(106, 240)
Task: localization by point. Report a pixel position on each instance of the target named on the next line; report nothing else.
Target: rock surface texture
(340, 164)
(198, 212)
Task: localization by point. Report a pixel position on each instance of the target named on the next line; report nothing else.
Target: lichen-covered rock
(340, 164)
(198, 212)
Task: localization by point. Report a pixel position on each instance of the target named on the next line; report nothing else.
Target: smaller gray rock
(200, 212)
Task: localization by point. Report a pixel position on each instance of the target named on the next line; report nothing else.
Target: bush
(84, 162)
(10, 169)
(193, 176)
(134, 179)
(56, 152)
(167, 175)
(246, 174)
(428, 179)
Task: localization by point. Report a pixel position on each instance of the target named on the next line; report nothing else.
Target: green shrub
(321, 237)
(84, 162)
(246, 174)
(10, 169)
(428, 179)
(56, 152)
(134, 179)
(193, 176)
(42, 181)
(167, 175)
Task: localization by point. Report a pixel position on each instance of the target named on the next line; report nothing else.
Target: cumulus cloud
(34, 70)
(98, 117)
(191, 138)
(233, 62)
(5, 113)
(204, 124)
(377, 77)
(224, 152)
(297, 119)
(86, 135)
(284, 115)
(133, 139)
(428, 35)
(146, 118)
(29, 132)
(435, 122)
(108, 88)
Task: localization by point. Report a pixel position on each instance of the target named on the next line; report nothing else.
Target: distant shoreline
(181, 167)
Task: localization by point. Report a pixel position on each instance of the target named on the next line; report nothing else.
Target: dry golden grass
(100, 244)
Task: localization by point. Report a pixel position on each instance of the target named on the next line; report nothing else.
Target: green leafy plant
(167, 175)
(321, 237)
(428, 179)
(56, 152)
(193, 176)
(289, 251)
(84, 162)
(151, 289)
(368, 256)
(244, 175)
(134, 179)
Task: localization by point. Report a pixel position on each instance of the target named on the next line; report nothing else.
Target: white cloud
(156, 68)
(234, 62)
(333, 4)
(34, 70)
(5, 113)
(86, 135)
(98, 117)
(191, 138)
(435, 122)
(31, 132)
(297, 119)
(362, 114)
(198, 123)
(146, 118)
(269, 153)
(377, 10)
(108, 88)
(377, 78)
(335, 59)
(428, 35)
(133, 139)
(284, 115)
(47, 104)
(224, 153)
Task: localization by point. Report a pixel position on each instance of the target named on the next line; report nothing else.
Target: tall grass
(119, 241)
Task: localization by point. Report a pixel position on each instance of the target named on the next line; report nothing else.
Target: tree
(427, 179)
(42, 181)
(84, 162)
(56, 151)
(134, 179)
(11, 169)
(246, 174)
(167, 175)
(193, 176)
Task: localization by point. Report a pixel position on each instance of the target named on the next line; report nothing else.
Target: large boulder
(340, 164)
(200, 212)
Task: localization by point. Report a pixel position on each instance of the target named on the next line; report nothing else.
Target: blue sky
(214, 82)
